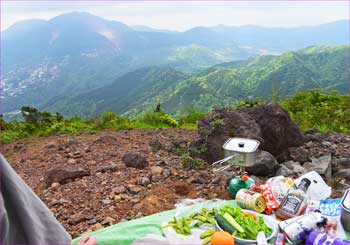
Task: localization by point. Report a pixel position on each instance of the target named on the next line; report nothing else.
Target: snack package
(330, 209)
(273, 190)
(280, 185)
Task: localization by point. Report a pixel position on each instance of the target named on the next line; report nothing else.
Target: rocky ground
(91, 181)
(111, 192)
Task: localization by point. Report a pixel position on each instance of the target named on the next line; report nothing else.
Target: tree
(31, 115)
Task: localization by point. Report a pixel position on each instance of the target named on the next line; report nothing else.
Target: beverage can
(251, 200)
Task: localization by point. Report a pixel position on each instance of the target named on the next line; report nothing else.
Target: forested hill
(222, 85)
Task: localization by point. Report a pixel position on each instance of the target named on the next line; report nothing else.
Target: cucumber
(233, 222)
(224, 224)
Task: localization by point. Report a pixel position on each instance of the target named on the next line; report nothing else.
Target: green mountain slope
(127, 92)
(222, 85)
(314, 67)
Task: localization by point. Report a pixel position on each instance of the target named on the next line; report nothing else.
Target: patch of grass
(155, 146)
(193, 163)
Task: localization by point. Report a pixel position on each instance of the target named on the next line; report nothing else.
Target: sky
(182, 15)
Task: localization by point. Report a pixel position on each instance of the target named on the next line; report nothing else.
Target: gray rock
(108, 168)
(106, 201)
(135, 190)
(295, 168)
(63, 174)
(299, 154)
(135, 160)
(321, 165)
(119, 189)
(326, 143)
(343, 163)
(201, 178)
(92, 221)
(145, 181)
(343, 174)
(106, 139)
(283, 170)
(265, 165)
(156, 177)
(71, 161)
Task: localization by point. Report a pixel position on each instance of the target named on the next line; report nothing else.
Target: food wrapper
(330, 209)
(280, 185)
(273, 191)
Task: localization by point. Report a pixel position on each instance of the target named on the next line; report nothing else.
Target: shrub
(191, 163)
(156, 119)
(324, 111)
(192, 117)
(249, 103)
(114, 121)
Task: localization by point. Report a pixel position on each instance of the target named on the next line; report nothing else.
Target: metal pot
(241, 150)
(345, 212)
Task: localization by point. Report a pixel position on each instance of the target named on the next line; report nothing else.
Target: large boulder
(278, 130)
(270, 124)
(64, 174)
(217, 127)
(265, 165)
(135, 160)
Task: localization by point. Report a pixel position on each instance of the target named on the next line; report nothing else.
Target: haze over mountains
(78, 59)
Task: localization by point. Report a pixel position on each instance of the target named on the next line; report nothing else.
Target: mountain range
(47, 63)
(219, 86)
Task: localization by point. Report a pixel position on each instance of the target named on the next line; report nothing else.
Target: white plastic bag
(318, 189)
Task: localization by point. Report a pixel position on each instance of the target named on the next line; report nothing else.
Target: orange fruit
(222, 238)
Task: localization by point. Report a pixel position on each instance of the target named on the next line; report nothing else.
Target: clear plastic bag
(318, 189)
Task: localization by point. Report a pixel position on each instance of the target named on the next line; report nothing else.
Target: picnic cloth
(147, 230)
(127, 232)
(24, 218)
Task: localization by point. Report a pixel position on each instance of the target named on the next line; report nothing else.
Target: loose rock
(63, 174)
(135, 160)
(321, 165)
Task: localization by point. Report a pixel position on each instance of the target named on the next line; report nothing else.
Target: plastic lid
(241, 145)
(304, 184)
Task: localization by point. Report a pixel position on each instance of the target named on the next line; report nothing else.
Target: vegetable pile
(183, 226)
(233, 220)
(244, 225)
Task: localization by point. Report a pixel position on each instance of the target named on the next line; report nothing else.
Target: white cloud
(184, 15)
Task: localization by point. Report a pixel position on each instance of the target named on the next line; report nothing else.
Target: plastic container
(270, 222)
(237, 183)
(243, 151)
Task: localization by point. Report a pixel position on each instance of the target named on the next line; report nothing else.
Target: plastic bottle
(238, 182)
(295, 202)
